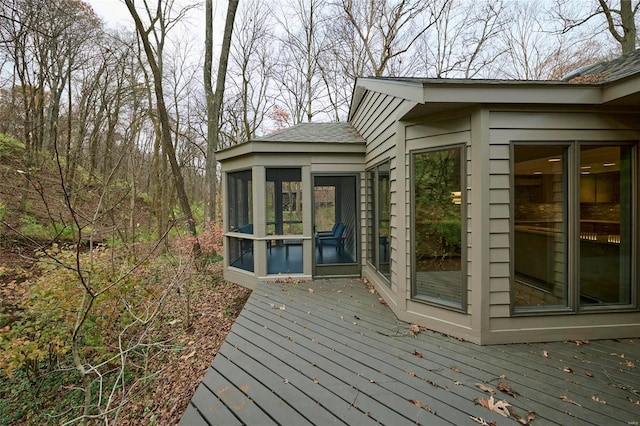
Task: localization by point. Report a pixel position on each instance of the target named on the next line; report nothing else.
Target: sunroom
(492, 211)
(292, 204)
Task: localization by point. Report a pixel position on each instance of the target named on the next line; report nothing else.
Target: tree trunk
(165, 125)
(214, 101)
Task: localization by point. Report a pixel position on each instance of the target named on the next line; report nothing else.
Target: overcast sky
(115, 14)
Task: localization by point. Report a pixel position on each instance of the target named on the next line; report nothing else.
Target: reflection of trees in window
(437, 203)
(437, 233)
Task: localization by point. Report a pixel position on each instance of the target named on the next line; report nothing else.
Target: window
(378, 219)
(284, 202)
(438, 231)
(239, 200)
(240, 219)
(573, 236)
(284, 218)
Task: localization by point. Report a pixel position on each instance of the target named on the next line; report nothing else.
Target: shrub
(41, 332)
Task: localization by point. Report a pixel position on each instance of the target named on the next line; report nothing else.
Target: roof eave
(276, 147)
(621, 88)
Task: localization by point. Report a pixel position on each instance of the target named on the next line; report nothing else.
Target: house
(492, 211)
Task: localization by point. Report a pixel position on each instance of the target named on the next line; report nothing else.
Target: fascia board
(510, 93)
(621, 88)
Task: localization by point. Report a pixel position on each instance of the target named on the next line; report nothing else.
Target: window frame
(442, 303)
(572, 175)
(372, 222)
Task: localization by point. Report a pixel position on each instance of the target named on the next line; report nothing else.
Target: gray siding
(376, 120)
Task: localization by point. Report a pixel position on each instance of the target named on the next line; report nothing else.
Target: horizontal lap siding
(499, 228)
(376, 120)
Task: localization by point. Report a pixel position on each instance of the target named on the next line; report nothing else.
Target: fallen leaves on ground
(523, 420)
(545, 354)
(485, 388)
(482, 421)
(568, 370)
(414, 329)
(311, 290)
(420, 405)
(382, 301)
(503, 387)
(416, 353)
(454, 368)
(588, 373)
(566, 399)
(596, 399)
(500, 407)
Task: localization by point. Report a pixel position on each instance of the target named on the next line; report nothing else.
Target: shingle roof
(607, 71)
(315, 132)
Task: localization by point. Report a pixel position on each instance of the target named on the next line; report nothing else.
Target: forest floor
(177, 371)
(198, 306)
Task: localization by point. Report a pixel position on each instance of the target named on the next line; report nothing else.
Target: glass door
(335, 216)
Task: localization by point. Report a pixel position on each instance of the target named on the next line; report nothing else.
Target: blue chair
(334, 238)
(328, 233)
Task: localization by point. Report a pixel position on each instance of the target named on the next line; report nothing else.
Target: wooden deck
(328, 352)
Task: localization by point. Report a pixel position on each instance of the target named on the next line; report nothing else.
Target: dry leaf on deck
(416, 353)
(416, 403)
(454, 368)
(545, 354)
(484, 388)
(530, 416)
(566, 399)
(310, 290)
(382, 301)
(500, 407)
(482, 421)
(588, 373)
(414, 329)
(283, 308)
(568, 370)
(503, 387)
(596, 399)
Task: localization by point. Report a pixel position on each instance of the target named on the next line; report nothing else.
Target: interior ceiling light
(585, 167)
(537, 173)
(608, 164)
(554, 160)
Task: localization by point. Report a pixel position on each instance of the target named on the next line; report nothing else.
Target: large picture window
(573, 236)
(438, 231)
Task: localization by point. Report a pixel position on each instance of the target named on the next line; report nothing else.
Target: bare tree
(462, 41)
(251, 70)
(618, 18)
(159, 22)
(214, 101)
(303, 41)
(375, 35)
(534, 50)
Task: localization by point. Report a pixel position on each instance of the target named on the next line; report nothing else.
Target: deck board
(327, 352)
